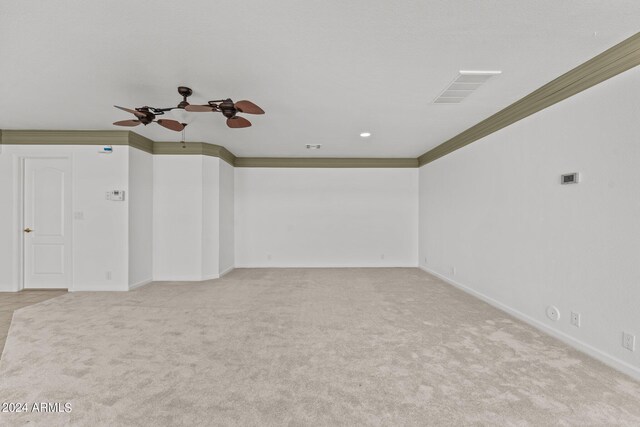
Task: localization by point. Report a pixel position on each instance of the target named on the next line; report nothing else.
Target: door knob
(28, 230)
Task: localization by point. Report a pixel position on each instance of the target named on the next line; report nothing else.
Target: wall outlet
(575, 319)
(453, 271)
(382, 256)
(269, 257)
(425, 260)
(553, 313)
(107, 275)
(629, 341)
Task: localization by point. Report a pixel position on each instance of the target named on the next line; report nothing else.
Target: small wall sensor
(108, 149)
(569, 178)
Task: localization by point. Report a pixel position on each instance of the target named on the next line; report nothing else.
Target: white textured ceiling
(323, 70)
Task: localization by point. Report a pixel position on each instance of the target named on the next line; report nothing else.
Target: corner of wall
(226, 218)
(140, 224)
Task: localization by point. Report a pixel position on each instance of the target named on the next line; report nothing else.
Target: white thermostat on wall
(115, 195)
(569, 178)
(108, 149)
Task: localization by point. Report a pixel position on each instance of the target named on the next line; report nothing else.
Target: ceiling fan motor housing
(227, 108)
(148, 116)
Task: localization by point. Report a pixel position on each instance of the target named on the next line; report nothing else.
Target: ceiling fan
(227, 107)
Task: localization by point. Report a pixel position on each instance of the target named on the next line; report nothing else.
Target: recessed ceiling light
(365, 134)
(314, 146)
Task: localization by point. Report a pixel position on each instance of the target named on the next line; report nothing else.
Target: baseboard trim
(185, 278)
(603, 357)
(140, 284)
(100, 288)
(192, 278)
(33, 289)
(325, 266)
(227, 271)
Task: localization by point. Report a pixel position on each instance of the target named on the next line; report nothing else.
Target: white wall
(8, 223)
(326, 217)
(140, 199)
(210, 217)
(227, 231)
(177, 217)
(100, 240)
(495, 212)
(191, 203)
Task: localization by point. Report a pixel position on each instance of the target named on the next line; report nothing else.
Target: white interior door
(47, 223)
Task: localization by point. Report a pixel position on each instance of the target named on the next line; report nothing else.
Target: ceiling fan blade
(127, 123)
(238, 122)
(248, 107)
(134, 112)
(171, 124)
(199, 108)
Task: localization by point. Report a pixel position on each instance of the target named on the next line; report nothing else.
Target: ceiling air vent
(464, 85)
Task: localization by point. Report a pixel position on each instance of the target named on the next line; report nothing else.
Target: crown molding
(140, 142)
(76, 137)
(132, 139)
(66, 137)
(201, 148)
(173, 148)
(220, 152)
(613, 61)
(324, 162)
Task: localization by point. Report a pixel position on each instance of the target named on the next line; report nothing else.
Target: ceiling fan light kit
(228, 108)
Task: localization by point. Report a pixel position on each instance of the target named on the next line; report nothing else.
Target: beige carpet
(11, 301)
(300, 347)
